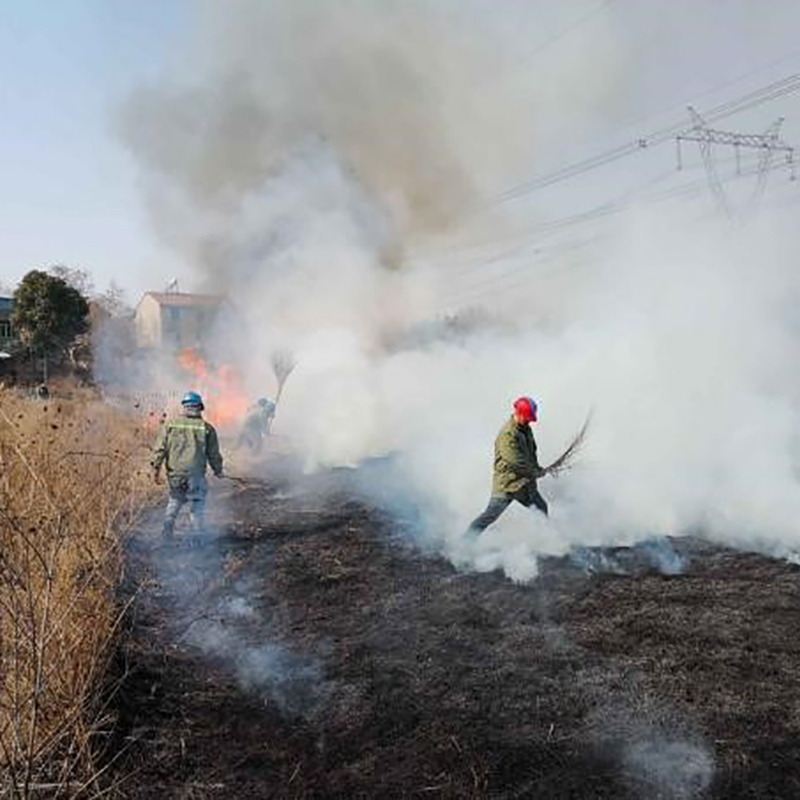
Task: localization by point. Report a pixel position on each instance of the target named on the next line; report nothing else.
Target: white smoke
(659, 753)
(672, 768)
(311, 144)
(295, 683)
(426, 105)
(230, 630)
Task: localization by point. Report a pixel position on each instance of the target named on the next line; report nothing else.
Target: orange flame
(193, 362)
(223, 396)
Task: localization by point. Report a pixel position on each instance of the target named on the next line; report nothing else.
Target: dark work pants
(498, 503)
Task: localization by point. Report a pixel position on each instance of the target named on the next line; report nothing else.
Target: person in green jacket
(257, 424)
(185, 446)
(516, 467)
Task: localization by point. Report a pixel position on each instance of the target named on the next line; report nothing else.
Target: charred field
(310, 649)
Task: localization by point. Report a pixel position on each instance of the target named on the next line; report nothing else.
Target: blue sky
(68, 189)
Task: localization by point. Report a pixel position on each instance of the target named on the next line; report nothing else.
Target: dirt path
(310, 651)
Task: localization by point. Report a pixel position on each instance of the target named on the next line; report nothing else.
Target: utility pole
(768, 143)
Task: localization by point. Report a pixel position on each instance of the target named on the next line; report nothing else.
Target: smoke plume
(398, 115)
(302, 149)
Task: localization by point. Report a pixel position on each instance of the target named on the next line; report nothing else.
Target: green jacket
(185, 445)
(259, 419)
(516, 465)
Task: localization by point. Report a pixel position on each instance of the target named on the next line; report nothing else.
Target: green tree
(49, 314)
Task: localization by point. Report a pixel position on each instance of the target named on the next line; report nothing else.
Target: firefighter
(185, 445)
(257, 424)
(516, 467)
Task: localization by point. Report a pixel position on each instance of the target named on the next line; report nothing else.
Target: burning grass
(71, 482)
(221, 387)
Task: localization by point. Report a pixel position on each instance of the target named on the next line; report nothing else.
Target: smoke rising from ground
(658, 752)
(307, 145)
(230, 630)
(295, 683)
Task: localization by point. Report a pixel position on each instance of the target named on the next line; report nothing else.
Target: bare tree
(75, 277)
(114, 300)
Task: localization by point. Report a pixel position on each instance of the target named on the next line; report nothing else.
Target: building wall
(186, 326)
(147, 322)
(7, 334)
(173, 326)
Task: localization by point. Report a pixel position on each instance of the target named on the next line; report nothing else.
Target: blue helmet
(192, 399)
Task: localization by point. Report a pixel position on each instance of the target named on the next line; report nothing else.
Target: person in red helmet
(516, 467)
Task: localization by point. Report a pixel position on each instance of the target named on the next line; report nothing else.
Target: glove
(157, 477)
(219, 475)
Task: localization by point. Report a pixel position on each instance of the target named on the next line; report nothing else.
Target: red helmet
(526, 408)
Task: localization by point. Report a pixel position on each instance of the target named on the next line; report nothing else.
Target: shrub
(72, 482)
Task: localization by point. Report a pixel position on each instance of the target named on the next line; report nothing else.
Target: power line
(755, 70)
(552, 254)
(475, 253)
(774, 90)
(542, 230)
(768, 143)
(558, 36)
(692, 189)
(768, 93)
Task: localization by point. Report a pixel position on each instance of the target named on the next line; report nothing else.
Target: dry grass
(72, 481)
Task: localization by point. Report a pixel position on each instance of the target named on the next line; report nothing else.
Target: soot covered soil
(311, 651)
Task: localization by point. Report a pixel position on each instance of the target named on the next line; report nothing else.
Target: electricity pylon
(768, 143)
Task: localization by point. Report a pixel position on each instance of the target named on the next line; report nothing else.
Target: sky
(70, 191)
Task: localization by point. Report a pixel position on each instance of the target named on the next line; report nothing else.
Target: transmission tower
(769, 143)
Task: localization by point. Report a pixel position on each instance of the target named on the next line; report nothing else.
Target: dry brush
(72, 481)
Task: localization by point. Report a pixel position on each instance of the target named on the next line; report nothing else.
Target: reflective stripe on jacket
(185, 445)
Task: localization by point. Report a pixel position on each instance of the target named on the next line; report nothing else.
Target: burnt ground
(309, 650)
